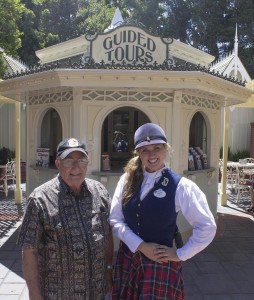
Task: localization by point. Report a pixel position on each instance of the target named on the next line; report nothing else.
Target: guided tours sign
(130, 44)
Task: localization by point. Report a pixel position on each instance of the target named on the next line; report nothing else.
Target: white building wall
(7, 128)
(239, 128)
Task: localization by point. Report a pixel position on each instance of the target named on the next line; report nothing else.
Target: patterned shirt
(70, 233)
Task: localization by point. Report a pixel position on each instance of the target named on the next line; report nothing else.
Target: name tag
(159, 193)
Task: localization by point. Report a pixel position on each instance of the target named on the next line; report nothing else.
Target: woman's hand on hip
(158, 253)
(166, 254)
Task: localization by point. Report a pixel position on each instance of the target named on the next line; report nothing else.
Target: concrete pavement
(12, 283)
(225, 269)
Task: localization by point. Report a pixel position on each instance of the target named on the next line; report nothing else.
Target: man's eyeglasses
(70, 162)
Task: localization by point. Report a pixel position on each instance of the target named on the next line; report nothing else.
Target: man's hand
(31, 273)
(109, 259)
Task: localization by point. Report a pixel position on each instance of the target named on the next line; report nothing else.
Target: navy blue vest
(154, 218)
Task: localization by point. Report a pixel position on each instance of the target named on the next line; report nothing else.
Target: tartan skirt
(136, 277)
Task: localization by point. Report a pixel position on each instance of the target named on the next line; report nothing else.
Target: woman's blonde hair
(134, 175)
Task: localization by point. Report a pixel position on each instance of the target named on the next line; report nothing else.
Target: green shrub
(240, 154)
(12, 154)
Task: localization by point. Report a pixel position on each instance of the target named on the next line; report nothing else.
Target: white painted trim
(130, 79)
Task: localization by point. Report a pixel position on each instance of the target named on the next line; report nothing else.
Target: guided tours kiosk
(101, 88)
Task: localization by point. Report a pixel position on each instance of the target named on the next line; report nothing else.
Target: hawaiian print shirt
(70, 234)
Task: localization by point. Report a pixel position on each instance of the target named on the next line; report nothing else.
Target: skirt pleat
(136, 277)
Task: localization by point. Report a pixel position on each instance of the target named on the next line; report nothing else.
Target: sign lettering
(129, 44)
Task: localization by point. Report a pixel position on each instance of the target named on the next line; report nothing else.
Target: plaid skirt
(136, 277)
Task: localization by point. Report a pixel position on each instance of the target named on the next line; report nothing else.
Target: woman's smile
(153, 156)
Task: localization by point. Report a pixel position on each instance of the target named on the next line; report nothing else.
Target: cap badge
(148, 139)
(159, 193)
(73, 143)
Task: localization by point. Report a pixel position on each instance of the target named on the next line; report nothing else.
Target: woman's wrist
(141, 246)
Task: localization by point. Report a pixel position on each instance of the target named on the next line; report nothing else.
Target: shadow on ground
(10, 212)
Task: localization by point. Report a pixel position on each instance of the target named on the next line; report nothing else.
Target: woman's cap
(69, 145)
(149, 134)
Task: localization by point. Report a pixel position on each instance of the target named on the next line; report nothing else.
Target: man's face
(73, 169)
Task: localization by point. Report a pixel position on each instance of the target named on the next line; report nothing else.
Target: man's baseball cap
(149, 134)
(69, 145)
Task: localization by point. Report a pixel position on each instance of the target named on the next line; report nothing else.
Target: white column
(223, 194)
(18, 192)
(178, 141)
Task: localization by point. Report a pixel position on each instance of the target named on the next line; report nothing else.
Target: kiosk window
(121, 139)
(51, 133)
(197, 158)
(117, 135)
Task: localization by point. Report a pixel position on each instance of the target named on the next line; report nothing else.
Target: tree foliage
(10, 35)
(175, 20)
(147, 12)
(241, 13)
(10, 12)
(48, 22)
(94, 17)
(29, 25)
(207, 23)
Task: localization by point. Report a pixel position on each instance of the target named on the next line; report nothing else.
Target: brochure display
(197, 159)
(42, 157)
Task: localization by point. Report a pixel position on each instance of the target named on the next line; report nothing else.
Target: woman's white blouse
(189, 199)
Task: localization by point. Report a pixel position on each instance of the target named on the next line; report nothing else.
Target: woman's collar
(155, 174)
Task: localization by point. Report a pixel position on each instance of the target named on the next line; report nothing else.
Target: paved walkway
(12, 284)
(223, 271)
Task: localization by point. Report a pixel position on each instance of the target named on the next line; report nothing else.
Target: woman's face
(153, 156)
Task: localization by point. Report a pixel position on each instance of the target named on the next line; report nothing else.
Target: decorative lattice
(200, 101)
(89, 63)
(136, 96)
(50, 97)
(129, 96)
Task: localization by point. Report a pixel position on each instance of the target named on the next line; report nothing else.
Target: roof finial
(236, 41)
(236, 52)
(116, 21)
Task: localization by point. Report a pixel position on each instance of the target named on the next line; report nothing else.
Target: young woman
(143, 216)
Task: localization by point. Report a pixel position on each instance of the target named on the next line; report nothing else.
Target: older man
(65, 236)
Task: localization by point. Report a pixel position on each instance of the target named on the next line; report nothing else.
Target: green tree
(241, 12)
(94, 17)
(211, 26)
(175, 20)
(207, 23)
(10, 12)
(57, 22)
(61, 20)
(48, 22)
(31, 37)
(147, 12)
